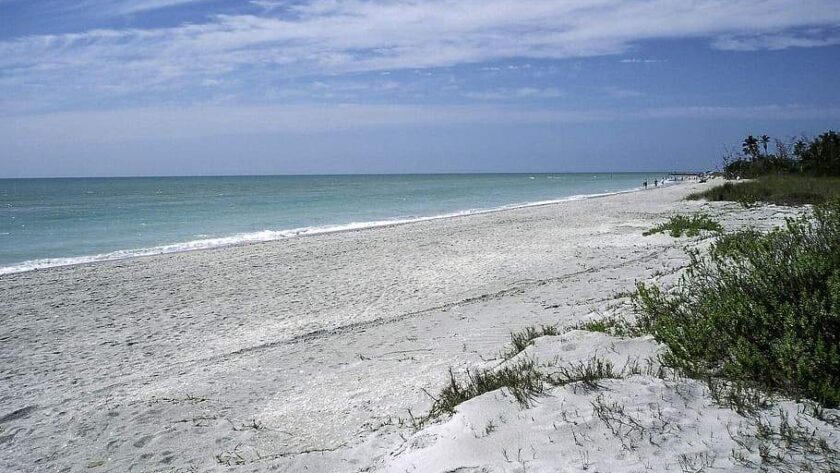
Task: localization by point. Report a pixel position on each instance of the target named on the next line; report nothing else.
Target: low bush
(762, 309)
(690, 226)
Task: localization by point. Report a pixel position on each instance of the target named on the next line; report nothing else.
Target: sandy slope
(642, 422)
(299, 355)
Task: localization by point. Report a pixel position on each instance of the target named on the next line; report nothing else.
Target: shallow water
(51, 222)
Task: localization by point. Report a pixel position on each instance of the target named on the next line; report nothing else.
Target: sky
(205, 87)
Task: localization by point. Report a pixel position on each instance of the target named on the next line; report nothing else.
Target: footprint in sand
(142, 441)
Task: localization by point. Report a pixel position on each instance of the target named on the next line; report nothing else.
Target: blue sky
(160, 87)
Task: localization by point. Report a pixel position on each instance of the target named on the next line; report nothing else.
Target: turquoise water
(51, 222)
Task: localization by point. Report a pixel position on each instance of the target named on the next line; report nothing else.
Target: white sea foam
(270, 235)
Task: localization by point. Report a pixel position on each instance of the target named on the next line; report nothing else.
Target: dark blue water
(49, 222)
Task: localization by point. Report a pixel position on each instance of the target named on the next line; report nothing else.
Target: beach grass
(760, 309)
(776, 189)
(615, 326)
(520, 340)
(522, 379)
(587, 374)
(690, 226)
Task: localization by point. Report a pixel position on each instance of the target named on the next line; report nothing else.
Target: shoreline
(266, 236)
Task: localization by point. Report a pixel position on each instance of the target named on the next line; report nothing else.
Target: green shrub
(758, 308)
(779, 190)
(761, 166)
(680, 225)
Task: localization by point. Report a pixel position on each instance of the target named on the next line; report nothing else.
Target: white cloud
(775, 41)
(164, 123)
(635, 60)
(189, 122)
(269, 5)
(135, 6)
(517, 94)
(339, 37)
(622, 93)
(122, 7)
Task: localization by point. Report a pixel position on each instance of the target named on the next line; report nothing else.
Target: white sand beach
(302, 354)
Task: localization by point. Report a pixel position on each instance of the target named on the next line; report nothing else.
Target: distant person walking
(644, 184)
(656, 183)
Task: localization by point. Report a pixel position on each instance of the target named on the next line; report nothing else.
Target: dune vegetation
(760, 309)
(804, 171)
(690, 226)
(788, 189)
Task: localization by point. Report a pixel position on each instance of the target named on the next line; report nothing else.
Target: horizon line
(457, 173)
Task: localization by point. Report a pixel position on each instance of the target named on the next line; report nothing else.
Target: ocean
(54, 222)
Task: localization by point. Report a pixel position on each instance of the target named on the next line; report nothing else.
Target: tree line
(819, 156)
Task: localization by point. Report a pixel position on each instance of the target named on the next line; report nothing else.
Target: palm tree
(764, 140)
(750, 147)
